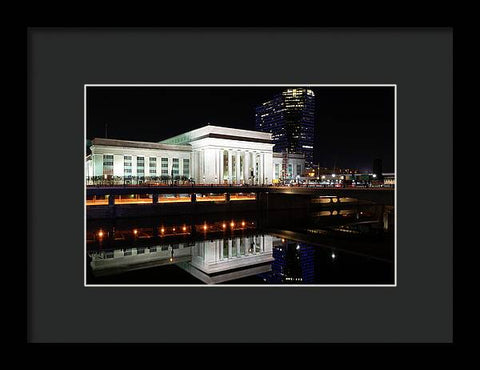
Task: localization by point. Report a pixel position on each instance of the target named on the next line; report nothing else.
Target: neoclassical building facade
(207, 155)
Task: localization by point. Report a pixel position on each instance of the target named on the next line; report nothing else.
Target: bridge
(383, 195)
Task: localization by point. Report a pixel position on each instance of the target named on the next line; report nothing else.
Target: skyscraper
(289, 116)
(377, 168)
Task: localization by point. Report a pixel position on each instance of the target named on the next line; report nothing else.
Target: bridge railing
(193, 185)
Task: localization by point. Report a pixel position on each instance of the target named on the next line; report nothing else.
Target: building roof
(139, 144)
(211, 131)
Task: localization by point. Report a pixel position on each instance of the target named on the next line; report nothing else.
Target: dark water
(337, 245)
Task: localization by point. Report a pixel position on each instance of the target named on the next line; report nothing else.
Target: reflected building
(294, 263)
(210, 261)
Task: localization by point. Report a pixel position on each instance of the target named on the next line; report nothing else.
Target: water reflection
(210, 257)
(348, 246)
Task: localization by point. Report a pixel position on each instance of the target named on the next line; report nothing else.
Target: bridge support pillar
(227, 197)
(154, 198)
(111, 200)
(193, 198)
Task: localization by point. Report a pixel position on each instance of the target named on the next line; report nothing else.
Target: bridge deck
(218, 189)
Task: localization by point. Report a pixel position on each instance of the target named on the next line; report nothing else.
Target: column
(180, 166)
(170, 165)
(254, 161)
(216, 165)
(261, 175)
(237, 169)
(221, 248)
(111, 200)
(246, 167)
(245, 245)
(229, 167)
(221, 167)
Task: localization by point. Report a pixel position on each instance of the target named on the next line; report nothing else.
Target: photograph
(234, 185)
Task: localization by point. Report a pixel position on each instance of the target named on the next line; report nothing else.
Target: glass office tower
(289, 117)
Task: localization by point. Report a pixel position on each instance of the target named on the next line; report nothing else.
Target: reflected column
(245, 245)
(237, 244)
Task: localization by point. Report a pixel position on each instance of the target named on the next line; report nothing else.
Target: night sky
(353, 125)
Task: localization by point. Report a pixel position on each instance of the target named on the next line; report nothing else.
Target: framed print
(240, 185)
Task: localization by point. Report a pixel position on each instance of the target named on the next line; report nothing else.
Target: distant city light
(333, 175)
(333, 255)
(162, 230)
(243, 223)
(135, 231)
(232, 224)
(224, 225)
(184, 228)
(100, 233)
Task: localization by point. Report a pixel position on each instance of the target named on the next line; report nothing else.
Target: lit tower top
(290, 118)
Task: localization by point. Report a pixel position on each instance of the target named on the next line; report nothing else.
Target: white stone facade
(208, 155)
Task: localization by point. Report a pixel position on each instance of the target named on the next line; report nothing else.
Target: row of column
(237, 174)
(236, 243)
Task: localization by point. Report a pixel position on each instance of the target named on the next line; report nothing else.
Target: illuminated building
(289, 117)
(207, 155)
